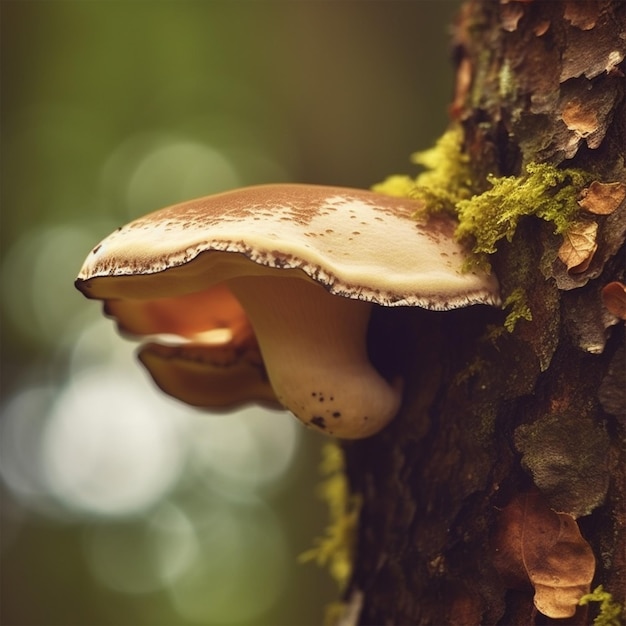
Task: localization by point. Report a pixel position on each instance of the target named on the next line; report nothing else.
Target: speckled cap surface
(358, 244)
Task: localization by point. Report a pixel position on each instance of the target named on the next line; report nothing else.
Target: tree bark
(491, 414)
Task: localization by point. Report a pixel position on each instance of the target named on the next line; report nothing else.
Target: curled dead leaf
(510, 15)
(534, 544)
(602, 198)
(580, 117)
(582, 15)
(579, 245)
(614, 299)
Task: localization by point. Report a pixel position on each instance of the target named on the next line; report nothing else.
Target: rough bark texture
(491, 414)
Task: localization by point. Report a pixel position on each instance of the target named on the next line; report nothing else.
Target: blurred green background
(119, 506)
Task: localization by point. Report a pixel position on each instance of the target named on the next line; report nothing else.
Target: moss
(398, 185)
(519, 309)
(506, 85)
(544, 191)
(489, 211)
(334, 613)
(336, 548)
(445, 181)
(611, 613)
(446, 184)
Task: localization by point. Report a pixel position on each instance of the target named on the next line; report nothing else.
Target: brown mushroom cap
(358, 244)
(265, 264)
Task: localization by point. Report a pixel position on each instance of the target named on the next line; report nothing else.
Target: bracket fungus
(265, 293)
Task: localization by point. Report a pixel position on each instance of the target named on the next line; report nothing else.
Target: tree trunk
(536, 409)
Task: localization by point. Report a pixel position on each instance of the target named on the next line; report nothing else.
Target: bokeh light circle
(244, 452)
(142, 555)
(150, 170)
(22, 422)
(107, 449)
(38, 294)
(240, 568)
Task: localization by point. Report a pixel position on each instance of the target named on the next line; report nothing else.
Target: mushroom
(290, 271)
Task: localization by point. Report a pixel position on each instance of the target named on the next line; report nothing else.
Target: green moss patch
(336, 548)
(611, 613)
(543, 191)
(446, 184)
(445, 181)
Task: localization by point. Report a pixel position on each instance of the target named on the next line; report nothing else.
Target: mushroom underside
(277, 340)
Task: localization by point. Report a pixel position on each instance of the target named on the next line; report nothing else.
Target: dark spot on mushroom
(336, 414)
(318, 420)
(314, 393)
(96, 248)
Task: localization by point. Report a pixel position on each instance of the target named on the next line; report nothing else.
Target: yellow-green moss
(445, 181)
(506, 85)
(398, 185)
(334, 613)
(543, 190)
(519, 309)
(489, 210)
(611, 613)
(336, 548)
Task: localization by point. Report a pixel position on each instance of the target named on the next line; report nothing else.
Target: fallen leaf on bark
(534, 544)
(614, 299)
(541, 28)
(580, 117)
(602, 198)
(579, 246)
(510, 15)
(582, 15)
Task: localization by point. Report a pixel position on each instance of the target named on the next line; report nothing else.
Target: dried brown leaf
(581, 14)
(579, 246)
(535, 544)
(580, 117)
(510, 15)
(602, 198)
(614, 299)
(541, 28)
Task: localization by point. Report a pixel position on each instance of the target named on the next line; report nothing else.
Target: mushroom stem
(314, 347)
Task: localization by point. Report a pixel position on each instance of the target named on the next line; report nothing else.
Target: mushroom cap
(358, 244)
(205, 376)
